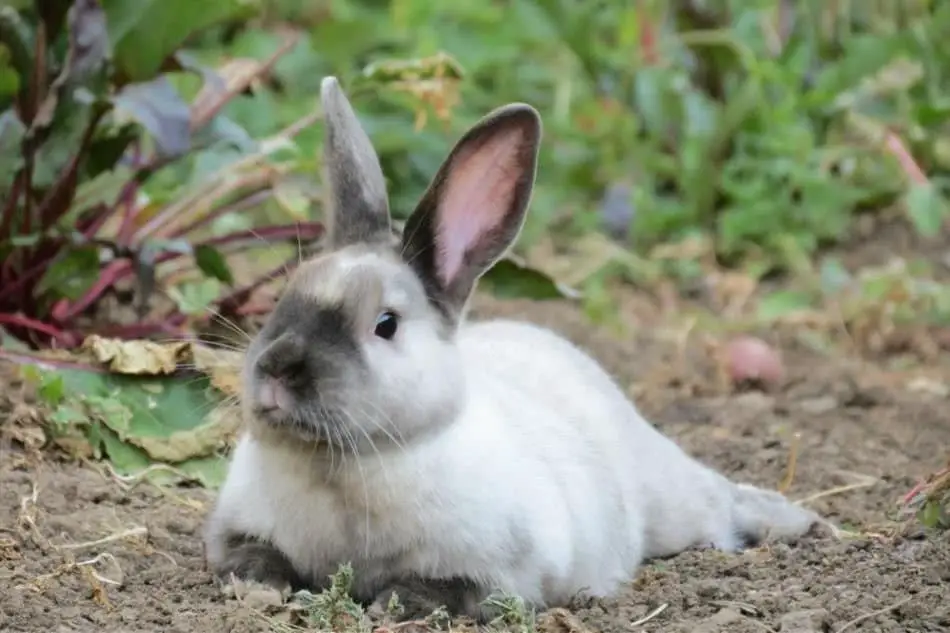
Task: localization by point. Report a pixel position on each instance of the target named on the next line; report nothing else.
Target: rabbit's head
(359, 351)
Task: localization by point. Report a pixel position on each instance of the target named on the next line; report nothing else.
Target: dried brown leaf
(136, 357)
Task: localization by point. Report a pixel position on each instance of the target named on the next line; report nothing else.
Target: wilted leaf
(438, 66)
(234, 75)
(85, 63)
(136, 357)
(927, 208)
(212, 263)
(158, 107)
(138, 420)
(222, 366)
(147, 32)
(72, 274)
(511, 278)
(214, 433)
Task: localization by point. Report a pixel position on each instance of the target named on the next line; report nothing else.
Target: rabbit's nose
(285, 360)
(273, 395)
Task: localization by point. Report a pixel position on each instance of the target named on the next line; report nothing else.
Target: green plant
(90, 116)
(752, 122)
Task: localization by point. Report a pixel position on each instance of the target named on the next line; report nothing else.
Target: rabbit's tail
(761, 515)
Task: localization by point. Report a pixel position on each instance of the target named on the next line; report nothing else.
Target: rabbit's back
(616, 466)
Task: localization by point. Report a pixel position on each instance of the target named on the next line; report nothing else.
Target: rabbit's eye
(386, 325)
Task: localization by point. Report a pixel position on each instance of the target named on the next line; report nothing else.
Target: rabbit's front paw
(414, 598)
(250, 559)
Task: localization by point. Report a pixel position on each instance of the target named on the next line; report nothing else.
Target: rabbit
(384, 430)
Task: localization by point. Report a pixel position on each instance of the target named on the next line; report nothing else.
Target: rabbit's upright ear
(356, 201)
(475, 206)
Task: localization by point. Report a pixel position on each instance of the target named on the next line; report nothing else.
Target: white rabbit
(385, 431)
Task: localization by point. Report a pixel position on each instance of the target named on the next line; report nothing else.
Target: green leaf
(12, 131)
(9, 79)
(158, 107)
(137, 421)
(212, 263)
(227, 132)
(17, 38)
(510, 279)
(930, 514)
(144, 33)
(106, 150)
(52, 389)
(926, 208)
(783, 303)
(195, 297)
(67, 110)
(53, 14)
(72, 274)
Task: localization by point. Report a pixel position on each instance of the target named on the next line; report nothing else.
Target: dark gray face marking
(311, 351)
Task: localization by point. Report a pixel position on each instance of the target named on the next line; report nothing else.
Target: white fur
(546, 446)
(519, 463)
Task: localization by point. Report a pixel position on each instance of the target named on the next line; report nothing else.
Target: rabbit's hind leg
(761, 515)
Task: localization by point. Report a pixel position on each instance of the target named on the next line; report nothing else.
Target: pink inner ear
(478, 194)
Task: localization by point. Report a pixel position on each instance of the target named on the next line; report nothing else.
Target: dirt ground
(864, 435)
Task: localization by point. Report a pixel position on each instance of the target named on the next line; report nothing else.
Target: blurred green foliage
(755, 121)
(762, 124)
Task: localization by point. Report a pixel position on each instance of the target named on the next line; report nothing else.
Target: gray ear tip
(329, 88)
(524, 114)
(521, 112)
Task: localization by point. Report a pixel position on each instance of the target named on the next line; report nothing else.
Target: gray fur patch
(357, 199)
(252, 559)
(419, 597)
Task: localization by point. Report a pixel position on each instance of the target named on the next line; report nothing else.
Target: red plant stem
(899, 151)
(38, 265)
(18, 320)
(22, 358)
(22, 279)
(63, 310)
(648, 39)
(103, 213)
(56, 203)
(171, 325)
(120, 268)
(9, 207)
(202, 116)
